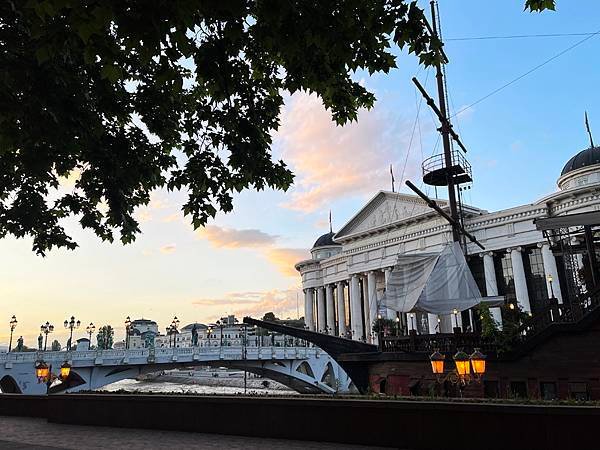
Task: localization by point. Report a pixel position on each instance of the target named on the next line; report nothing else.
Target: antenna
(587, 126)
(393, 180)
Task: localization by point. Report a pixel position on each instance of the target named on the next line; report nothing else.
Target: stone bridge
(304, 369)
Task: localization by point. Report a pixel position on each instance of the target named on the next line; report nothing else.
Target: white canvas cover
(432, 282)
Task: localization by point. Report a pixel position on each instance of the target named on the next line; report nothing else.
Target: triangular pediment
(383, 209)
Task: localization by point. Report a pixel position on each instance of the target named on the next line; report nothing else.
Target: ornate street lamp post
(46, 328)
(13, 325)
(174, 325)
(71, 325)
(90, 329)
(209, 331)
(221, 325)
(463, 365)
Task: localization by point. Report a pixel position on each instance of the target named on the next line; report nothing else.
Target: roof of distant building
(199, 326)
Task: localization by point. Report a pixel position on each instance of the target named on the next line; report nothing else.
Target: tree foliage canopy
(135, 95)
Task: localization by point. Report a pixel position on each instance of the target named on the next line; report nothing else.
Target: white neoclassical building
(346, 276)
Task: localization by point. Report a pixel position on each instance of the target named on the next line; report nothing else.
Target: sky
(242, 263)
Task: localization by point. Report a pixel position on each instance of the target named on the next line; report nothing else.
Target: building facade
(346, 277)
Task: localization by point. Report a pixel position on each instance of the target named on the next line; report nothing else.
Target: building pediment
(384, 209)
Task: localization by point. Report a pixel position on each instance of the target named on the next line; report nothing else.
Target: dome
(199, 326)
(325, 240)
(585, 158)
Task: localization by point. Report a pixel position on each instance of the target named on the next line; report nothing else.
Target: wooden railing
(428, 343)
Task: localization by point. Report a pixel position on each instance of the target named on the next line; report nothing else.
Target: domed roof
(199, 326)
(325, 240)
(588, 157)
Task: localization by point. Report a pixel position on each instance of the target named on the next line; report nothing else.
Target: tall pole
(445, 131)
(13, 325)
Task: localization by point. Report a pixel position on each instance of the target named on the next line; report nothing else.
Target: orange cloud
(333, 162)
(232, 238)
(256, 303)
(285, 259)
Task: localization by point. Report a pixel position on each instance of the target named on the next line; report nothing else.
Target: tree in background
(125, 97)
(105, 337)
(55, 347)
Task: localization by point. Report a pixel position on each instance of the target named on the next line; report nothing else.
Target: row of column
(363, 302)
(331, 301)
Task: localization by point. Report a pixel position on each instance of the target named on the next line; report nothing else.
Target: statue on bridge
(69, 345)
(40, 342)
(20, 344)
(194, 336)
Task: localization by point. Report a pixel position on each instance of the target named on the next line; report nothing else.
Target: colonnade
(360, 294)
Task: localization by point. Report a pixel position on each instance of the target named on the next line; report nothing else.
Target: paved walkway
(27, 434)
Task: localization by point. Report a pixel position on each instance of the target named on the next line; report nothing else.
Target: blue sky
(518, 141)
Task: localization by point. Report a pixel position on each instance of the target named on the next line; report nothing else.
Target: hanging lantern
(437, 362)
(463, 365)
(65, 370)
(478, 362)
(42, 371)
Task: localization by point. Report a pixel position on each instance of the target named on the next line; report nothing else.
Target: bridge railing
(160, 354)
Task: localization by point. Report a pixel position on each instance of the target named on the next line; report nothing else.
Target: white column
(309, 313)
(550, 269)
(341, 308)
(355, 310)
(372, 289)
(491, 285)
(366, 311)
(330, 309)
(321, 310)
(391, 314)
(520, 280)
(434, 326)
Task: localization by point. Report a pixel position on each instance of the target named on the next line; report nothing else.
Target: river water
(185, 388)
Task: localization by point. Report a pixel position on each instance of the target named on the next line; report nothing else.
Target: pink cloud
(256, 303)
(284, 259)
(168, 249)
(233, 238)
(333, 162)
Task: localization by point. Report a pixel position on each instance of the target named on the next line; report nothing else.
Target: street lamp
(46, 328)
(209, 331)
(71, 324)
(221, 325)
(127, 331)
(550, 280)
(478, 362)
(437, 362)
(65, 370)
(463, 366)
(397, 325)
(90, 329)
(13, 325)
(42, 371)
(174, 325)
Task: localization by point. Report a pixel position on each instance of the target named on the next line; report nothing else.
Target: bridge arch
(8, 385)
(304, 368)
(328, 377)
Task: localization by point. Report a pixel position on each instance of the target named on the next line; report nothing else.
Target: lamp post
(90, 330)
(245, 355)
(127, 331)
(174, 325)
(13, 325)
(463, 364)
(71, 324)
(46, 328)
(220, 324)
(209, 331)
(550, 280)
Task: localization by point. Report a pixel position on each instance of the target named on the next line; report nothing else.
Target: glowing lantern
(463, 364)
(65, 370)
(478, 362)
(437, 362)
(42, 371)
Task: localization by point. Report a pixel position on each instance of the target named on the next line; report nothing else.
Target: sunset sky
(242, 263)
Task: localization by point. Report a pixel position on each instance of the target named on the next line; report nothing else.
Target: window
(490, 389)
(536, 278)
(518, 389)
(548, 390)
(578, 391)
(477, 269)
(504, 276)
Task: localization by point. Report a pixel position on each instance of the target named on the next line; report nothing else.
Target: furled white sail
(434, 283)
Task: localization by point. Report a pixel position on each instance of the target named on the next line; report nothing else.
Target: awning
(570, 220)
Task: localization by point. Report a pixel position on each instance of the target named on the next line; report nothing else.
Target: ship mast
(445, 130)
(450, 168)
